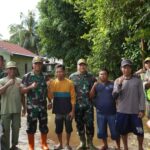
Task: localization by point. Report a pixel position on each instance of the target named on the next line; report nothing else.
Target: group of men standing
(73, 97)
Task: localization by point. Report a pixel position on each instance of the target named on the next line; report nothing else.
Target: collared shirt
(11, 99)
(83, 84)
(36, 98)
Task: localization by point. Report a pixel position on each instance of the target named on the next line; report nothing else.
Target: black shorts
(60, 119)
(126, 123)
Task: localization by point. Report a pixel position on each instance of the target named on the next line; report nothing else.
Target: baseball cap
(147, 59)
(37, 59)
(11, 64)
(126, 62)
(81, 61)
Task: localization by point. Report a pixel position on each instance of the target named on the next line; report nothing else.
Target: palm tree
(24, 33)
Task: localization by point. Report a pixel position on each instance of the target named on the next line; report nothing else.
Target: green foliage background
(61, 29)
(117, 30)
(102, 31)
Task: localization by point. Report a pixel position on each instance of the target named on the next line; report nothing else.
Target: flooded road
(75, 139)
(52, 138)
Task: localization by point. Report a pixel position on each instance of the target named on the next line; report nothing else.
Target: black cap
(126, 62)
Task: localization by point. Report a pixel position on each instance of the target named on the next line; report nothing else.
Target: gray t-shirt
(130, 96)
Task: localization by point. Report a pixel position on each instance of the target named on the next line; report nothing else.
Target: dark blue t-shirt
(104, 100)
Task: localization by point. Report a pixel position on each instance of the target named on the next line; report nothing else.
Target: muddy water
(75, 139)
(52, 139)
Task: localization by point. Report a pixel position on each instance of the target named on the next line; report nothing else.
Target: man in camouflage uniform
(34, 84)
(84, 116)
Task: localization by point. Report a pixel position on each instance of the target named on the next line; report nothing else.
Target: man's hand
(10, 82)
(71, 115)
(49, 106)
(120, 80)
(92, 92)
(23, 112)
(141, 114)
(95, 83)
(34, 85)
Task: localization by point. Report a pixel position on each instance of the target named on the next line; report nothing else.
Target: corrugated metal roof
(15, 49)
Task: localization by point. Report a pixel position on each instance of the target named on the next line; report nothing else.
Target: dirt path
(23, 143)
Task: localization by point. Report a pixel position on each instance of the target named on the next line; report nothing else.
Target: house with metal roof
(20, 55)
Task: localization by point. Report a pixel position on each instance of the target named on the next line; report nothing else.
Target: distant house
(50, 63)
(21, 56)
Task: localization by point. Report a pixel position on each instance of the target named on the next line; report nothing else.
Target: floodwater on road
(52, 138)
(75, 139)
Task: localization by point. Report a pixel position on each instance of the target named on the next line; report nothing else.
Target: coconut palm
(24, 33)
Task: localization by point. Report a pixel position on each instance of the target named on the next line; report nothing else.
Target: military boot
(90, 144)
(82, 145)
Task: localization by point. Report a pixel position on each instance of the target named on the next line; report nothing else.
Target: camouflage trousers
(84, 117)
(33, 116)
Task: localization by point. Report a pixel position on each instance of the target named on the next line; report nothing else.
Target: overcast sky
(10, 13)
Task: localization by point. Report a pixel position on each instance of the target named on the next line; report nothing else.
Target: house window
(26, 68)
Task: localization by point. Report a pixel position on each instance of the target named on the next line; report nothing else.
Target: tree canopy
(61, 29)
(118, 27)
(102, 31)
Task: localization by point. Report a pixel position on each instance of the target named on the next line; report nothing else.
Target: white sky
(10, 13)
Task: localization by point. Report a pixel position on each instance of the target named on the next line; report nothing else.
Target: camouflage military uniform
(84, 116)
(36, 103)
